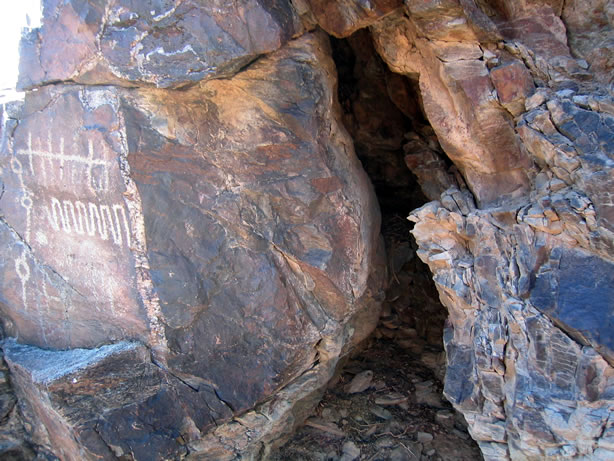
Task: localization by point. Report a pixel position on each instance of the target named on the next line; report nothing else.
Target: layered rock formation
(525, 274)
(191, 245)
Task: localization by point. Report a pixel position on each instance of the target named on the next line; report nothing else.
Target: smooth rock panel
(576, 290)
(69, 271)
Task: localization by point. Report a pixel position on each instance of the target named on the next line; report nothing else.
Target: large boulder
(227, 230)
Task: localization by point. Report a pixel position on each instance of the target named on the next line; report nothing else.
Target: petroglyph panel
(69, 192)
(71, 229)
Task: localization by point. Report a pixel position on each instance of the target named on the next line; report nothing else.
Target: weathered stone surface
(100, 403)
(521, 281)
(67, 228)
(525, 279)
(221, 226)
(519, 380)
(514, 84)
(341, 18)
(590, 30)
(163, 43)
(228, 232)
(575, 289)
(479, 137)
(13, 445)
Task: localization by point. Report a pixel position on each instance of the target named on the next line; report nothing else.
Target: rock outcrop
(161, 43)
(181, 268)
(190, 244)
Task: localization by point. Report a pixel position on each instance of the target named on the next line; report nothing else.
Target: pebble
(385, 442)
(445, 418)
(328, 414)
(379, 385)
(350, 451)
(361, 382)
(424, 437)
(426, 396)
(394, 398)
(381, 412)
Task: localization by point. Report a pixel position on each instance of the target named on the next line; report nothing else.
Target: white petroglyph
(49, 164)
(93, 168)
(22, 268)
(95, 219)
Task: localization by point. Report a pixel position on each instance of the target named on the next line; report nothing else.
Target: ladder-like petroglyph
(51, 162)
(92, 219)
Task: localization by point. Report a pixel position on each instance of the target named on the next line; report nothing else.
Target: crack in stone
(39, 263)
(230, 407)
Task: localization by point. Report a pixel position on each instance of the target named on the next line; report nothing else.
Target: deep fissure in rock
(400, 369)
(383, 114)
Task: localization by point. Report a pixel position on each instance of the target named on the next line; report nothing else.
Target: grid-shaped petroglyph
(47, 162)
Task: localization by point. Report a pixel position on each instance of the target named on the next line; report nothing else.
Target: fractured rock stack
(190, 243)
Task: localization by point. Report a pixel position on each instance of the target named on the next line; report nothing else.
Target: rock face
(190, 243)
(12, 434)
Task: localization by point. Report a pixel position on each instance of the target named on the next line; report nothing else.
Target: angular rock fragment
(360, 382)
(102, 403)
(166, 44)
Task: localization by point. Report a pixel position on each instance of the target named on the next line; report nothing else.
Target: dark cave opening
(386, 400)
(383, 113)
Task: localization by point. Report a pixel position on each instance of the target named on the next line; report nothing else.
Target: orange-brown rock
(475, 131)
(341, 18)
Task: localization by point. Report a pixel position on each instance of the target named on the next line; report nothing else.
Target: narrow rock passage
(387, 401)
